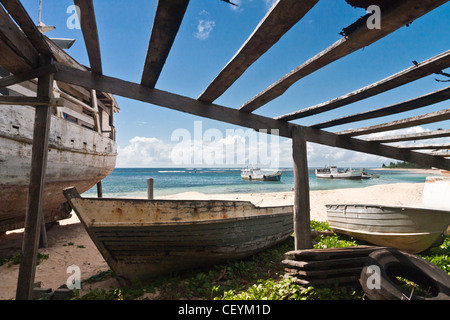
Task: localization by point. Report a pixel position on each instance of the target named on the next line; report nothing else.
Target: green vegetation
(15, 260)
(404, 164)
(256, 278)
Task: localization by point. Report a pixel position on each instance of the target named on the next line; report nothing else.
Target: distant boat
(408, 229)
(366, 175)
(261, 175)
(332, 172)
(143, 239)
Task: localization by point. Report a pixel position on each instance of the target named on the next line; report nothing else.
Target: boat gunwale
(377, 206)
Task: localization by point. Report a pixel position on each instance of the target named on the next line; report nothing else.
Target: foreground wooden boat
(143, 239)
(408, 229)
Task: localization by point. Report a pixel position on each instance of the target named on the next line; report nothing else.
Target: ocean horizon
(132, 182)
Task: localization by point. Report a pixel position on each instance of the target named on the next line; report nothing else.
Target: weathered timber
(17, 40)
(90, 33)
(412, 104)
(400, 124)
(395, 17)
(20, 15)
(302, 221)
(35, 73)
(168, 18)
(426, 146)
(11, 61)
(143, 239)
(33, 219)
(30, 101)
(283, 15)
(412, 136)
(229, 115)
(423, 69)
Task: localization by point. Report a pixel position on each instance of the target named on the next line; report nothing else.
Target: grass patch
(258, 277)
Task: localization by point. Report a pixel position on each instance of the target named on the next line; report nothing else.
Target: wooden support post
(99, 190)
(150, 189)
(34, 216)
(302, 223)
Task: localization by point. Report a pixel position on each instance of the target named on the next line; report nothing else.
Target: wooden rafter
(168, 18)
(230, 115)
(397, 16)
(440, 146)
(280, 19)
(431, 117)
(90, 33)
(20, 15)
(420, 102)
(35, 73)
(412, 136)
(423, 69)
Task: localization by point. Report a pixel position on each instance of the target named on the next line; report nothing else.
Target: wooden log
(280, 19)
(397, 16)
(99, 190)
(302, 221)
(400, 124)
(412, 104)
(33, 219)
(412, 137)
(90, 33)
(168, 18)
(423, 69)
(150, 189)
(230, 115)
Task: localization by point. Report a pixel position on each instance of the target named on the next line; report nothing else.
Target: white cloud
(204, 28)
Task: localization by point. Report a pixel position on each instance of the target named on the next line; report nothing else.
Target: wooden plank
(302, 221)
(412, 104)
(400, 124)
(30, 101)
(33, 219)
(168, 18)
(412, 136)
(423, 69)
(11, 61)
(230, 115)
(426, 146)
(15, 38)
(35, 73)
(90, 34)
(283, 15)
(20, 15)
(397, 16)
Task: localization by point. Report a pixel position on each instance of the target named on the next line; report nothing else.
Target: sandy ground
(70, 245)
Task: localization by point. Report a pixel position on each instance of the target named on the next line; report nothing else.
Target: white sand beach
(69, 244)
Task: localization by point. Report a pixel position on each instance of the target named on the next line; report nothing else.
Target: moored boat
(408, 229)
(260, 174)
(332, 172)
(143, 239)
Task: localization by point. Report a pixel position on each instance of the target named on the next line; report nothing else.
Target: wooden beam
(431, 117)
(302, 220)
(35, 73)
(440, 146)
(16, 40)
(393, 18)
(230, 115)
(90, 33)
(423, 69)
(168, 18)
(412, 136)
(20, 15)
(34, 217)
(30, 101)
(11, 61)
(283, 15)
(420, 102)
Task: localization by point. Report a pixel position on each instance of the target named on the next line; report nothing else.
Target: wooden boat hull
(409, 229)
(144, 239)
(77, 157)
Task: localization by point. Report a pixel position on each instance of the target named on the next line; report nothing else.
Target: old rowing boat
(409, 229)
(143, 239)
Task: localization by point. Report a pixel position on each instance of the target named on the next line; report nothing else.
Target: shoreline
(69, 243)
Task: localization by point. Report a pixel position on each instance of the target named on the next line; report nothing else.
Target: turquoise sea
(132, 182)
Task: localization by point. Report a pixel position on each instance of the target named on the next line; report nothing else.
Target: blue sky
(212, 32)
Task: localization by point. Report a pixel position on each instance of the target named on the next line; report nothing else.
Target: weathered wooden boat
(82, 147)
(143, 239)
(261, 175)
(408, 229)
(332, 172)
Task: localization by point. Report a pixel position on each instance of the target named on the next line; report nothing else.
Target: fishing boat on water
(82, 147)
(261, 174)
(143, 239)
(332, 172)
